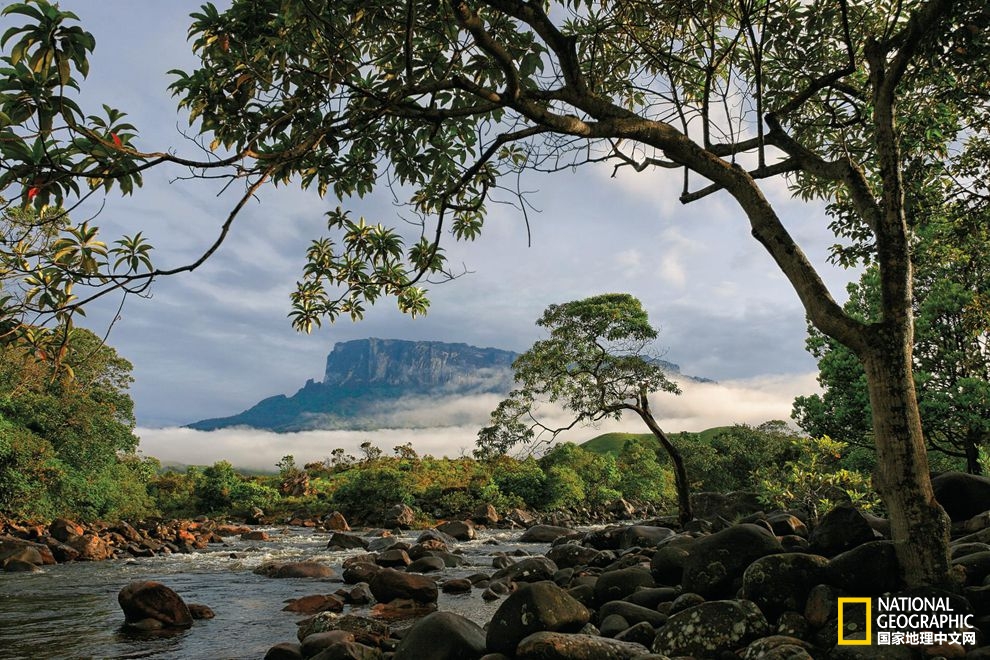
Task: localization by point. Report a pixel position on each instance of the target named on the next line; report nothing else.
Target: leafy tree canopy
(951, 356)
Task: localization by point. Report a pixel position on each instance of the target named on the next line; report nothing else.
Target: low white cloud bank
(452, 424)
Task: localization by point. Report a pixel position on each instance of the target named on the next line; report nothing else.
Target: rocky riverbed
(736, 583)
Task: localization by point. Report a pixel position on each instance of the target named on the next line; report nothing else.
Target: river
(70, 611)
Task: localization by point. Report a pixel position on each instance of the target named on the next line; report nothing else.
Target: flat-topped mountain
(363, 375)
(366, 379)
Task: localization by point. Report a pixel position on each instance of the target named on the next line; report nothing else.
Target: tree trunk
(680, 473)
(919, 525)
(972, 446)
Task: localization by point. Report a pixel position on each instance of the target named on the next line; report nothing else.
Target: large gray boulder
(442, 636)
(716, 563)
(709, 629)
(778, 583)
(389, 584)
(546, 534)
(535, 607)
(962, 495)
(559, 646)
(841, 529)
(529, 569)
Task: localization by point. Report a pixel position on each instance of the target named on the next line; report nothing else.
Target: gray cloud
(457, 420)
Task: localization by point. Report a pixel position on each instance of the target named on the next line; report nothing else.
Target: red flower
(116, 139)
(33, 192)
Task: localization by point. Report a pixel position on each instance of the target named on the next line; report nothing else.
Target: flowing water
(70, 611)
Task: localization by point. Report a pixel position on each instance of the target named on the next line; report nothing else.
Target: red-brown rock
(295, 569)
(91, 547)
(335, 522)
(60, 551)
(254, 535)
(19, 566)
(62, 529)
(315, 604)
(36, 553)
(485, 514)
(402, 608)
(200, 611)
(232, 530)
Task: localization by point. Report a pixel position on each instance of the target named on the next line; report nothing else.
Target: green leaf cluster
(48, 145)
(49, 268)
(815, 481)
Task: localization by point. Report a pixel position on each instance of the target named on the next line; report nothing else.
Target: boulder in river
(546, 534)
(389, 584)
(12, 548)
(342, 541)
(715, 563)
(336, 522)
(152, 605)
(314, 604)
(13, 565)
(365, 630)
(778, 583)
(708, 629)
(613, 585)
(529, 569)
(295, 569)
(559, 646)
(462, 530)
(255, 535)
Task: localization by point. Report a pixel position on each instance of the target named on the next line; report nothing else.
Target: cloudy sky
(214, 342)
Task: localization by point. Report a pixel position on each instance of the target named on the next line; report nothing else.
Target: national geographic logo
(903, 620)
(855, 621)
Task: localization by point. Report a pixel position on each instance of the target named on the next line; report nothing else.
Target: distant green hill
(612, 443)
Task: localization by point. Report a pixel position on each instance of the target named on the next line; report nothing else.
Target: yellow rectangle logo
(855, 621)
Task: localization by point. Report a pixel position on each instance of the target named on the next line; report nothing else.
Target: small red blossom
(33, 192)
(116, 139)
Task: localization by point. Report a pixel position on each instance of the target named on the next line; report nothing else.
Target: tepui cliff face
(364, 375)
(424, 365)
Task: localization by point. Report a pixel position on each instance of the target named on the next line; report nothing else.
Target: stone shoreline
(765, 585)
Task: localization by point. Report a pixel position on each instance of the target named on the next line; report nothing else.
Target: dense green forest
(67, 448)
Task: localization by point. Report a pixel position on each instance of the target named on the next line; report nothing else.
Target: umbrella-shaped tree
(596, 364)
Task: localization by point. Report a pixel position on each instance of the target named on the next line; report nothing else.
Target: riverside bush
(815, 481)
